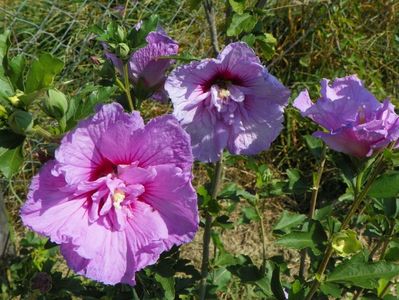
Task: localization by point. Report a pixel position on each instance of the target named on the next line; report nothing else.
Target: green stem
(359, 197)
(127, 87)
(216, 182)
(262, 236)
(125, 9)
(313, 201)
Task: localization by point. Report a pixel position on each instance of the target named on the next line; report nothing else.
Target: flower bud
(122, 50)
(20, 121)
(346, 243)
(121, 33)
(55, 105)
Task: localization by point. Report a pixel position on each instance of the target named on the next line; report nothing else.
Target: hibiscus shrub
(124, 207)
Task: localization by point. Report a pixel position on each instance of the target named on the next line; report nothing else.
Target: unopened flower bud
(55, 104)
(122, 50)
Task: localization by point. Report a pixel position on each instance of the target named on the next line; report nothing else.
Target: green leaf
(42, 72)
(289, 220)
(392, 156)
(315, 145)
(238, 6)
(313, 237)
(11, 157)
(20, 121)
(225, 259)
(241, 23)
(297, 291)
(249, 39)
(4, 42)
(6, 88)
(392, 254)
(4, 45)
(385, 186)
(296, 184)
(82, 106)
(168, 285)
(390, 206)
(249, 214)
(251, 198)
(16, 71)
(137, 37)
(222, 278)
(245, 269)
(331, 289)
(267, 43)
(363, 274)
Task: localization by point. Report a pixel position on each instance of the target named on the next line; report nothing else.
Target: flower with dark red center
(229, 102)
(117, 194)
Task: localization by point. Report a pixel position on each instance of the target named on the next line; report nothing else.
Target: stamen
(118, 198)
(223, 93)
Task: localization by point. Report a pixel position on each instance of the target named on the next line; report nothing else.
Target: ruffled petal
(79, 156)
(110, 265)
(345, 141)
(208, 138)
(145, 62)
(163, 141)
(176, 201)
(146, 230)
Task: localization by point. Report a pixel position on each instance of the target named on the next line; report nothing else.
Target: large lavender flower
(117, 194)
(356, 122)
(146, 68)
(229, 102)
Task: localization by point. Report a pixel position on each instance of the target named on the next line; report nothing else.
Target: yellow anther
(223, 93)
(118, 197)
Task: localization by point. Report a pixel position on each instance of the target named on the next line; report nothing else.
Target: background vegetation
(300, 42)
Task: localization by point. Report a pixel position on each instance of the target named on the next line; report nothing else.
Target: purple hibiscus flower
(229, 102)
(356, 122)
(117, 194)
(146, 68)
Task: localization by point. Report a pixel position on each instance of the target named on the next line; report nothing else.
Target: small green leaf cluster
(246, 24)
(123, 41)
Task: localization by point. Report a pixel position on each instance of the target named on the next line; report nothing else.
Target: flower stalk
(359, 197)
(313, 201)
(262, 234)
(210, 17)
(216, 183)
(127, 87)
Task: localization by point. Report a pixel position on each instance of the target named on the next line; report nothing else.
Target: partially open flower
(117, 194)
(356, 122)
(147, 66)
(229, 102)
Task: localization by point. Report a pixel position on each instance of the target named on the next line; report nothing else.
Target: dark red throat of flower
(222, 79)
